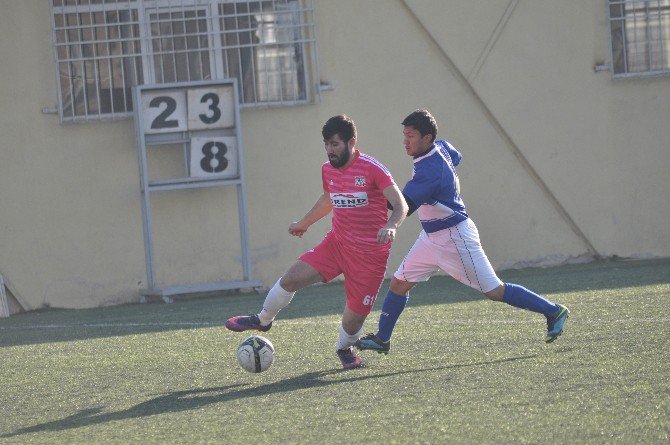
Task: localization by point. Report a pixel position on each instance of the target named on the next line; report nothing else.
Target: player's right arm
(321, 208)
(424, 185)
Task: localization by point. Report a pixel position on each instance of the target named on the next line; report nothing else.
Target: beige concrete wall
(507, 80)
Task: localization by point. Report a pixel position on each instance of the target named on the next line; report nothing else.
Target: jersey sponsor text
(349, 200)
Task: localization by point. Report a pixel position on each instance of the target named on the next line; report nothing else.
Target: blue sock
(392, 307)
(519, 296)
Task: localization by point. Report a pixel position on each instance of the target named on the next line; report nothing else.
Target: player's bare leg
(393, 305)
(352, 323)
(496, 294)
(401, 287)
(299, 275)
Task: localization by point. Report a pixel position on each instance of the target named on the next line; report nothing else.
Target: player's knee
(496, 294)
(400, 287)
(289, 284)
(299, 276)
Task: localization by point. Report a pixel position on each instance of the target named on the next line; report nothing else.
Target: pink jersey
(359, 205)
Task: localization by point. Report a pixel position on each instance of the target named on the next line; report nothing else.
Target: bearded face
(339, 161)
(338, 151)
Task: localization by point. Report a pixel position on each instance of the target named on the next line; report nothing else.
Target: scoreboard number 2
(213, 157)
(164, 111)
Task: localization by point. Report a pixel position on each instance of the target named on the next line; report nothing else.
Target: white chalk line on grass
(205, 324)
(187, 324)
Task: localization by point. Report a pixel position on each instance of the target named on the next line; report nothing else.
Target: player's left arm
(321, 208)
(394, 196)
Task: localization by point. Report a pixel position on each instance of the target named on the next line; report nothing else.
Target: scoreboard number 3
(210, 108)
(213, 157)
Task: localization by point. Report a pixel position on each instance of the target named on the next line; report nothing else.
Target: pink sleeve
(382, 177)
(323, 178)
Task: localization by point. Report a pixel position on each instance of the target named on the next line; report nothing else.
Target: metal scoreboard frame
(204, 118)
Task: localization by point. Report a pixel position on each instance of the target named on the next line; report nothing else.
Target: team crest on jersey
(349, 200)
(359, 181)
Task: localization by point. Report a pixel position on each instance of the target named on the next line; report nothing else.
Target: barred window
(180, 46)
(640, 37)
(105, 47)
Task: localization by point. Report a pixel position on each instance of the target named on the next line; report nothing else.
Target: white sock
(277, 299)
(347, 340)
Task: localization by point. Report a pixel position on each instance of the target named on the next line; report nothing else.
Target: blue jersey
(435, 190)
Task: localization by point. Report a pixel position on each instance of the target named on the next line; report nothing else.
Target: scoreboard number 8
(213, 157)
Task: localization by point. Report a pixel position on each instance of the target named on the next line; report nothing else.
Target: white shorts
(457, 251)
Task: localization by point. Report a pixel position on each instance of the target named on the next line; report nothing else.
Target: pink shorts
(363, 273)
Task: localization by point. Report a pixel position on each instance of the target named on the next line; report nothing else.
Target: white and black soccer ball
(255, 353)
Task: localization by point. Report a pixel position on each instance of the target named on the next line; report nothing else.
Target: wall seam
(492, 40)
(525, 164)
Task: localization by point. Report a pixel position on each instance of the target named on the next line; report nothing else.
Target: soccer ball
(255, 353)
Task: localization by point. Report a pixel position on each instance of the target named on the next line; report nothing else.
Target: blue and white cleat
(246, 323)
(373, 343)
(555, 323)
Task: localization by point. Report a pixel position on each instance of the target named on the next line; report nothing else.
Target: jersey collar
(428, 152)
(354, 158)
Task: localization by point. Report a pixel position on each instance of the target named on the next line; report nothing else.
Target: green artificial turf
(461, 369)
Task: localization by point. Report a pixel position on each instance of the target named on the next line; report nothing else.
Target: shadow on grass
(66, 325)
(192, 399)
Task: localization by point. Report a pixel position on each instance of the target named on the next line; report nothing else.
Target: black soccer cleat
(246, 323)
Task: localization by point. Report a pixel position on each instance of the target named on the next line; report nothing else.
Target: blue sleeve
(424, 186)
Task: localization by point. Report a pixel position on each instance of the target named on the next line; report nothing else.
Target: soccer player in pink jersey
(356, 188)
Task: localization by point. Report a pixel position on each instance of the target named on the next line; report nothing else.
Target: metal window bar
(639, 37)
(182, 46)
(102, 48)
(664, 22)
(274, 59)
(97, 61)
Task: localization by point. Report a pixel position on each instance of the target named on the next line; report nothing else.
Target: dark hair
(342, 125)
(423, 122)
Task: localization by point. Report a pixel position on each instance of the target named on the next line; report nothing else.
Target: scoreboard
(203, 119)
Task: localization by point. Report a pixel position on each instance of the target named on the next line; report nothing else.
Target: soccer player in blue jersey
(449, 239)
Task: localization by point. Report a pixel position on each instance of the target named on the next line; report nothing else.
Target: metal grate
(105, 47)
(180, 45)
(640, 37)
